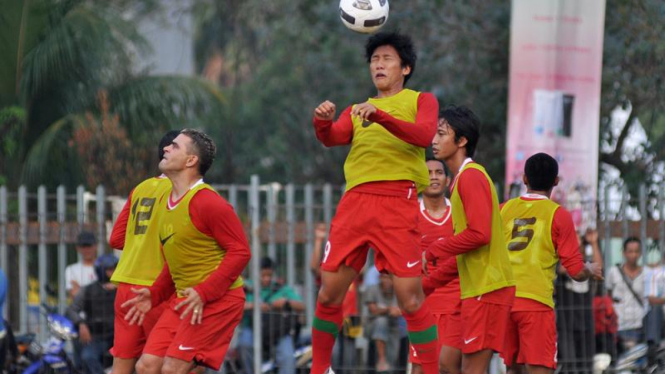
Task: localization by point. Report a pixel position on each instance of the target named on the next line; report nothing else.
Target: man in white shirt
(626, 286)
(82, 273)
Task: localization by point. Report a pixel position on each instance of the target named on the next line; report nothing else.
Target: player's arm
(442, 275)
(163, 287)
(117, 240)
(564, 238)
(332, 133)
(476, 195)
(213, 216)
(419, 133)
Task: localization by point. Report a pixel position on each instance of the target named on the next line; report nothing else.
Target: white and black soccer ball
(365, 16)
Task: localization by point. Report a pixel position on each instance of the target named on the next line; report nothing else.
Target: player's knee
(328, 298)
(411, 305)
(168, 368)
(148, 366)
(444, 368)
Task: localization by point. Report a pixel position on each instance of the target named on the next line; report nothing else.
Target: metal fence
(38, 232)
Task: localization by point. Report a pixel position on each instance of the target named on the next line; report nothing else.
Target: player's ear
(461, 143)
(406, 70)
(192, 160)
(525, 180)
(556, 182)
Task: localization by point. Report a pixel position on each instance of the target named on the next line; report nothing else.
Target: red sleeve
(117, 240)
(565, 241)
(442, 275)
(163, 287)
(422, 133)
(476, 195)
(338, 133)
(215, 217)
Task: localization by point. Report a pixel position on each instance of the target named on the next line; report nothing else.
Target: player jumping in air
(435, 223)
(486, 279)
(384, 170)
(206, 251)
(538, 233)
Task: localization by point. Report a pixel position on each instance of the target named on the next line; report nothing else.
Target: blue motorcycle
(49, 357)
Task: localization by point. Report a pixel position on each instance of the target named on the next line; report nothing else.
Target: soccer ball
(365, 16)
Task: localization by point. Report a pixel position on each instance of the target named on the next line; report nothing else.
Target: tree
(60, 54)
(633, 71)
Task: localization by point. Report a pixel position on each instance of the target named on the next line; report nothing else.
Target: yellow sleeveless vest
(141, 260)
(487, 268)
(191, 255)
(528, 233)
(378, 155)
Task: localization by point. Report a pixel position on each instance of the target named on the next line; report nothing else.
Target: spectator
(575, 325)
(625, 283)
(344, 351)
(278, 305)
(82, 273)
(384, 321)
(92, 311)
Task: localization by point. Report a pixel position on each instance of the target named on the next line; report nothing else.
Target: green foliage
(57, 56)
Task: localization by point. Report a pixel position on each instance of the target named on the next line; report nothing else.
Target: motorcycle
(640, 359)
(48, 357)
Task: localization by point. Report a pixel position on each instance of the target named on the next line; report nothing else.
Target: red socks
(424, 338)
(327, 323)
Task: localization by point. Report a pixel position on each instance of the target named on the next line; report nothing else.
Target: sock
(327, 322)
(424, 338)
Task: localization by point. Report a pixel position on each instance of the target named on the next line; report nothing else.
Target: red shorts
(531, 339)
(388, 224)
(484, 324)
(129, 340)
(206, 344)
(449, 328)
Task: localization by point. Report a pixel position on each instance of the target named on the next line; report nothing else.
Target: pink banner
(556, 51)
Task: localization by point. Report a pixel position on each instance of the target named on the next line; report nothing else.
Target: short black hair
(541, 171)
(267, 263)
(203, 146)
(631, 239)
(166, 141)
(465, 124)
(402, 44)
(445, 169)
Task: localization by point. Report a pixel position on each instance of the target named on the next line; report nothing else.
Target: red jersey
(446, 299)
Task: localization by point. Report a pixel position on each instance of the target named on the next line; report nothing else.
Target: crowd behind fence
(38, 231)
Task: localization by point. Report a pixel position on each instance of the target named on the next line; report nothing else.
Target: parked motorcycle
(48, 357)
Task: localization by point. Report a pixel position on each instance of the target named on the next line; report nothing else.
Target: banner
(556, 52)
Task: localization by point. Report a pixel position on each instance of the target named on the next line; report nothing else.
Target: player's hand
(84, 334)
(596, 270)
(193, 304)
(424, 262)
(325, 111)
(363, 110)
(140, 305)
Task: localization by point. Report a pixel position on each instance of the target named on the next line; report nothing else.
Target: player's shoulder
(208, 197)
